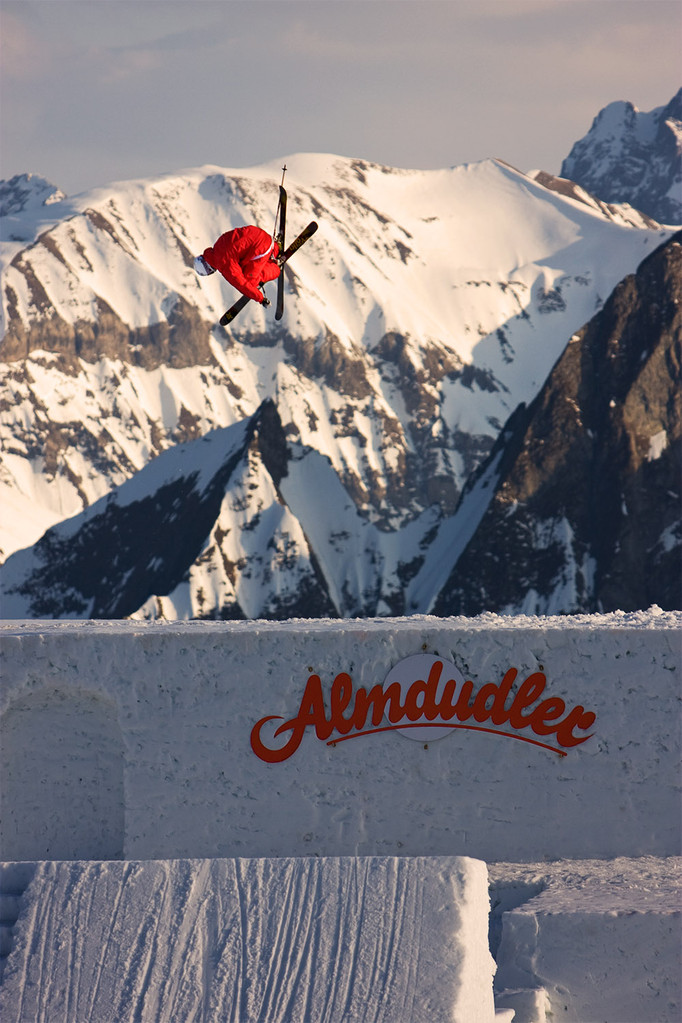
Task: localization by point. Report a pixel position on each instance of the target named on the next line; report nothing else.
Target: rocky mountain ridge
(629, 156)
(585, 514)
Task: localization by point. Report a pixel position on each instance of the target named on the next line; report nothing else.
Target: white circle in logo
(421, 681)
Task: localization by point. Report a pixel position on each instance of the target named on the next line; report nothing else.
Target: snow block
(276, 940)
(600, 941)
(160, 740)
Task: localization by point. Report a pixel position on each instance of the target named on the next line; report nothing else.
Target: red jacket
(246, 258)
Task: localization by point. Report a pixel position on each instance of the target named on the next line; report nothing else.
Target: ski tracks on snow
(262, 940)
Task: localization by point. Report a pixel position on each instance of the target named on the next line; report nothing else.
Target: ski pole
(279, 201)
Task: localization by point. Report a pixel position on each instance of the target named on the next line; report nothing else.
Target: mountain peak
(25, 191)
(633, 156)
(23, 199)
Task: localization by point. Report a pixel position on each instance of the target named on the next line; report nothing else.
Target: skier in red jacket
(246, 257)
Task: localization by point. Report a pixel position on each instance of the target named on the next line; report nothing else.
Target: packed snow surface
(588, 940)
(278, 940)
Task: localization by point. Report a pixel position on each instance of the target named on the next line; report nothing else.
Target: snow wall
(517, 739)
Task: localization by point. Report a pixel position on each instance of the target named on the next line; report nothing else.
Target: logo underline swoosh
(442, 724)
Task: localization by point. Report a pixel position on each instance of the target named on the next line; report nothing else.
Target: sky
(94, 91)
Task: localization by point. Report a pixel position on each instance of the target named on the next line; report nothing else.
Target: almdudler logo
(425, 697)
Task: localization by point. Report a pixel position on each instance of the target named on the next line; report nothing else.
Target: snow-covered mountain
(428, 307)
(629, 156)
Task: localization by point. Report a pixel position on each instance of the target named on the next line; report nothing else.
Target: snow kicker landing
(328, 939)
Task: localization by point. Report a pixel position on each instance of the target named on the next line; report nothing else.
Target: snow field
(341, 939)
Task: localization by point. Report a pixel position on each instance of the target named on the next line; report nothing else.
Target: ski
(300, 240)
(279, 309)
(233, 310)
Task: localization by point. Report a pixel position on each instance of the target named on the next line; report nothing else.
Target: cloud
(23, 54)
(101, 90)
(124, 64)
(303, 40)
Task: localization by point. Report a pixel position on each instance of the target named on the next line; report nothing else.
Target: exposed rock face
(634, 157)
(180, 340)
(586, 515)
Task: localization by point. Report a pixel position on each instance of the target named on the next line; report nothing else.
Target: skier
(247, 257)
